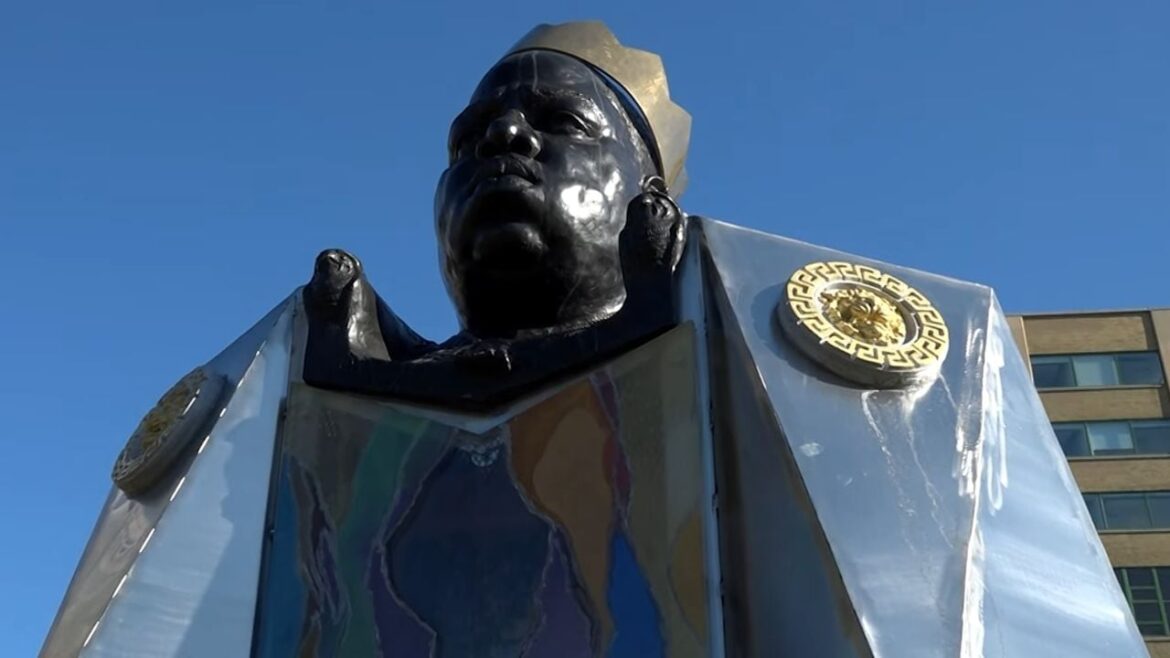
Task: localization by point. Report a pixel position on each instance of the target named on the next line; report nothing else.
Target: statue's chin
(508, 249)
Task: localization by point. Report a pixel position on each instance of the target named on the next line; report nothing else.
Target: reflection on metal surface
(938, 513)
(581, 522)
(639, 72)
(167, 428)
(574, 529)
(124, 523)
(863, 323)
(693, 310)
(192, 588)
(781, 598)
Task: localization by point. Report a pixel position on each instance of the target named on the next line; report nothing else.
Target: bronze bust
(557, 233)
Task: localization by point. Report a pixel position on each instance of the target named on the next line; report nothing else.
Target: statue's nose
(509, 133)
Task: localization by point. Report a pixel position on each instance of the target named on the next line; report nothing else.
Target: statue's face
(543, 163)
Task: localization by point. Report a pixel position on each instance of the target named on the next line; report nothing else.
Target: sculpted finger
(678, 239)
(333, 271)
(654, 231)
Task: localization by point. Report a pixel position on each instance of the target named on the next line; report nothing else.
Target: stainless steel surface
(782, 596)
(693, 309)
(123, 523)
(948, 516)
(191, 588)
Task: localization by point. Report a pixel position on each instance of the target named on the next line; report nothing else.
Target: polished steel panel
(123, 523)
(693, 309)
(948, 512)
(781, 595)
(191, 590)
(1036, 568)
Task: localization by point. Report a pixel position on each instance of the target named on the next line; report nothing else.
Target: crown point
(639, 72)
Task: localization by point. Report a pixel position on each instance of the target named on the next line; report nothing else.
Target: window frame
(1067, 358)
(1130, 423)
(1123, 579)
(1070, 359)
(1095, 500)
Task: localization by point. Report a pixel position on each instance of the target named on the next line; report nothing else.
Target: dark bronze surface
(542, 165)
(557, 238)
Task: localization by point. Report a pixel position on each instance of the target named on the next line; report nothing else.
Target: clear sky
(168, 171)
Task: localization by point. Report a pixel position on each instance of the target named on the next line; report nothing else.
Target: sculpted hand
(334, 272)
(340, 301)
(486, 357)
(651, 243)
(655, 230)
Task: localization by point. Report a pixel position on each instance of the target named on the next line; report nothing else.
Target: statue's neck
(486, 329)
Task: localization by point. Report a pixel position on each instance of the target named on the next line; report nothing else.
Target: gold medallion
(165, 430)
(863, 324)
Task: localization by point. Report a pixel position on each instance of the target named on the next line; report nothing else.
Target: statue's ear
(654, 184)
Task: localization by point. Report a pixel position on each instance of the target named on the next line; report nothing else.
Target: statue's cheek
(441, 195)
(587, 207)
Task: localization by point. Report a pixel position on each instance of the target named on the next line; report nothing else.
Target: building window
(1090, 370)
(1146, 589)
(1114, 437)
(1136, 510)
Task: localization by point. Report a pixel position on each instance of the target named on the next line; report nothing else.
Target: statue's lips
(497, 200)
(497, 227)
(506, 171)
(504, 183)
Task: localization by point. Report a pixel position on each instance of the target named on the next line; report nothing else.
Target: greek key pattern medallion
(863, 324)
(165, 430)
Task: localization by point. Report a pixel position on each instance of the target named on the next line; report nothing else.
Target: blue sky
(169, 170)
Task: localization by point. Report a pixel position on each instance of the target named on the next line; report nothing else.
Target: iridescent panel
(574, 529)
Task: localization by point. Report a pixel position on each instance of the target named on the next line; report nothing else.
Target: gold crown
(639, 72)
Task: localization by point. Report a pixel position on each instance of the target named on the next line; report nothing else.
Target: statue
(556, 187)
(655, 434)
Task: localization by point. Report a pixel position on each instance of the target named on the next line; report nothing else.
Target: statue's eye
(564, 121)
(465, 135)
(460, 143)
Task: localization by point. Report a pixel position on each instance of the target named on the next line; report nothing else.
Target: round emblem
(863, 324)
(166, 430)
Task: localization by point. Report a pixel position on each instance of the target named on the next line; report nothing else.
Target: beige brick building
(1102, 378)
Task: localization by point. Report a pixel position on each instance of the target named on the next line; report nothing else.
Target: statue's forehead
(541, 69)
